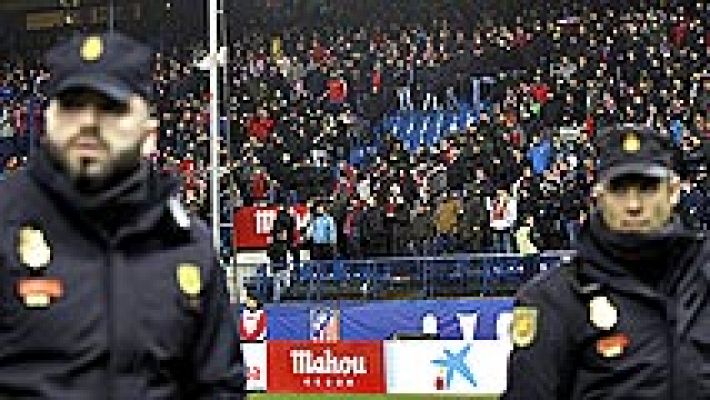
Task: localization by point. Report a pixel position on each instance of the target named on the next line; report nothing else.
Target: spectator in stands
(373, 236)
(323, 235)
(352, 230)
(447, 222)
(282, 238)
(503, 215)
(421, 232)
(282, 250)
(525, 242)
(474, 221)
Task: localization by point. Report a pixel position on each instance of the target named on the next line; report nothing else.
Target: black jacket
(124, 327)
(659, 344)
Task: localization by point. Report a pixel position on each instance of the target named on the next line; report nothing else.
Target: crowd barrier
(458, 275)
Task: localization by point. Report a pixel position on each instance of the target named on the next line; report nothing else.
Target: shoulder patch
(524, 326)
(603, 314)
(189, 279)
(542, 278)
(33, 249)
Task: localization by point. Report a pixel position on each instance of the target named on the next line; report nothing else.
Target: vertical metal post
(214, 123)
(111, 16)
(228, 255)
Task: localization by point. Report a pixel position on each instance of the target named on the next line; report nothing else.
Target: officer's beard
(117, 170)
(90, 178)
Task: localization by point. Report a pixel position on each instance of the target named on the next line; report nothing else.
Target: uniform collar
(645, 264)
(127, 203)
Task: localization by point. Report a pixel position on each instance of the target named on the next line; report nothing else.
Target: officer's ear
(50, 115)
(149, 127)
(597, 191)
(674, 186)
(150, 143)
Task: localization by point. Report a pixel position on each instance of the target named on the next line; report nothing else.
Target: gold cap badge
(602, 313)
(189, 280)
(92, 48)
(524, 326)
(33, 249)
(632, 143)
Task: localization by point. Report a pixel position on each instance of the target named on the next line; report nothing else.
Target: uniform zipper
(671, 322)
(110, 376)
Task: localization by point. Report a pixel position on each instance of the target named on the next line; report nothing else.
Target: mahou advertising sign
(318, 367)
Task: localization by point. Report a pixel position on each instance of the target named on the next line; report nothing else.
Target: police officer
(628, 317)
(108, 288)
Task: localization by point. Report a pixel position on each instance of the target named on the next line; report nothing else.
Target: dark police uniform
(628, 317)
(113, 295)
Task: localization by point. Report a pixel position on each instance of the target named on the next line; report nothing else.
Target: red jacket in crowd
(336, 90)
(540, 92)
(258, 185)
(261, 127)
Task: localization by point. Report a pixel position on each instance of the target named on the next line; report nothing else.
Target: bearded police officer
(108, 289)
(628, 318)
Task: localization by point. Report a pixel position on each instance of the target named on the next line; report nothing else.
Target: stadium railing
(456, 275)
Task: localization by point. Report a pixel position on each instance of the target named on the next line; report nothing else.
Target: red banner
(317, 367)
(252, 225)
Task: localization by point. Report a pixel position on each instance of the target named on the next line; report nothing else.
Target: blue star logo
(456, 362)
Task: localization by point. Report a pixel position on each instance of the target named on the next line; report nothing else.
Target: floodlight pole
(111, 16)
(214, 123)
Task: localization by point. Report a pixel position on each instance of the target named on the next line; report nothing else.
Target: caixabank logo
(446, 366)
(453, 363)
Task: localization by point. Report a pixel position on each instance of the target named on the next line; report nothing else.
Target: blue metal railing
(459, 275)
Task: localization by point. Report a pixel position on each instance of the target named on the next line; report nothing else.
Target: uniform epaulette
(178, 212)
(579, 285)
(543, 277)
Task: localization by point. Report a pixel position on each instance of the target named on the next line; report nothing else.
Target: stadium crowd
(429, 135)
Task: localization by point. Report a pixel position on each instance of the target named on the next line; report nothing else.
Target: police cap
(110, 63)
(631, 149)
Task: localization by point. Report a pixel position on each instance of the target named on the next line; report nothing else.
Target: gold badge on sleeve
(33, 249)
(524, 327)
(603, 314)
(189, 279)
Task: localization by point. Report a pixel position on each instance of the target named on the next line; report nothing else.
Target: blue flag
(676, 131)
(540, 156)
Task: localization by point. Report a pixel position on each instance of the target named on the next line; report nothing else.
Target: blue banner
(381, 319)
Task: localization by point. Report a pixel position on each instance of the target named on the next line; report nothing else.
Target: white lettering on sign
(305, 362)
(264, 221)
(301, 219)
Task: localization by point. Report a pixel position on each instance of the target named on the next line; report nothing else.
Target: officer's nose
(633, 201)
(88, 117)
